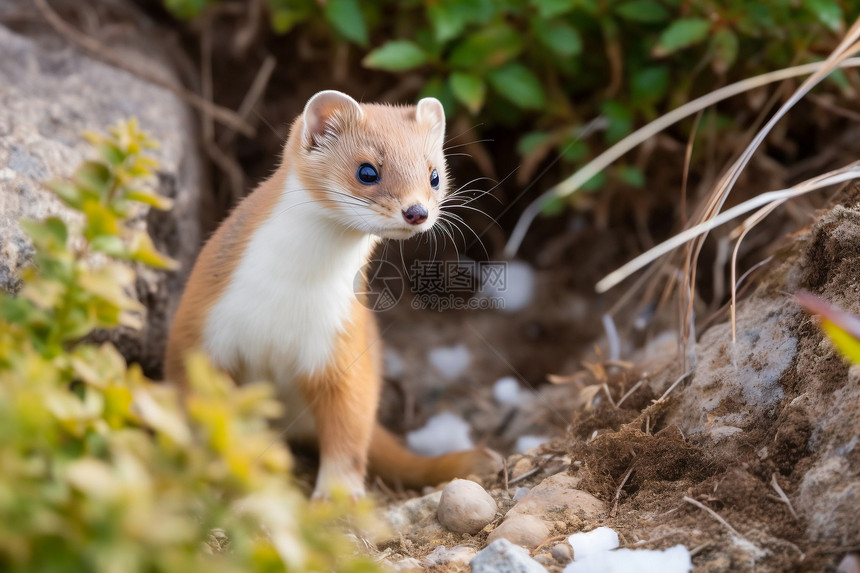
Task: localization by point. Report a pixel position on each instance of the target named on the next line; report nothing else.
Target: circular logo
(378, 285)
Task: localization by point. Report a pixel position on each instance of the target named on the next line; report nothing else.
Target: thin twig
(608, 395)
(614, 510)
(713, 514)
(629, 392)
(547, 542)
(528, 474)
(505, 473)
(680, 379)
(685, 175)
(782, 495)
(222, 114)
(225, 163)
(255, 92)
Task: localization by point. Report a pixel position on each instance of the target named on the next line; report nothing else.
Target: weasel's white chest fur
(290, 295)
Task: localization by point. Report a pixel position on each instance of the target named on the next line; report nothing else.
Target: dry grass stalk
(782, 495)
(713, 514)
(834, 177)
(602, 161)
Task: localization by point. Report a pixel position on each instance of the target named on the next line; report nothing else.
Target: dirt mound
(752, 461)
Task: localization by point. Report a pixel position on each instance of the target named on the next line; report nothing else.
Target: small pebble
(520, 493)
(502, 556)
(523, 465)
(562, 552)
(556, 498)
(524, 530)
(465, 507)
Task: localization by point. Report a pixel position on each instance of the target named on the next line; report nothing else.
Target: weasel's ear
(323, 112)
(430, 111)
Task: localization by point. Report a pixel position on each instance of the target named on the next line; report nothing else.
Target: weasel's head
(376, 168)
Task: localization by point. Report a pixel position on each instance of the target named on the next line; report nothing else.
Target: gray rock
(465, 507)
(562, 552)
(523, 530)
(502, 556)
(556, 498)
(50, 94)
(784, 375)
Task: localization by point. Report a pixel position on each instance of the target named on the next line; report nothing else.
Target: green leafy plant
(104, 470)
(548, 67)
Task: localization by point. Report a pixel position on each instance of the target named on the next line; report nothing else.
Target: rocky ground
(749, 461)
(50, 93)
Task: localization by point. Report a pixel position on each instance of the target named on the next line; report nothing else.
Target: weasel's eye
(367, 174)
(434, 179)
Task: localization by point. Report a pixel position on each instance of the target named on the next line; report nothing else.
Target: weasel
(271, 296)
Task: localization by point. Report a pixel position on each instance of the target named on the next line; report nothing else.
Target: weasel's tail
(393, 462)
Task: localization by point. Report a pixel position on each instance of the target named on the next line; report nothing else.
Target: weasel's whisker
(454, 226)
(464, 206)
(462, 133)
(467, 143)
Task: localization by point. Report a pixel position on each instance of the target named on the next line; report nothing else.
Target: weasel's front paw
(334, 480)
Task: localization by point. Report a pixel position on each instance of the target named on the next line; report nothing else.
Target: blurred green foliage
(547, 67)
(103, 470)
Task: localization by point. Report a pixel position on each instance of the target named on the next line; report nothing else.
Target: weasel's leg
(344, 404)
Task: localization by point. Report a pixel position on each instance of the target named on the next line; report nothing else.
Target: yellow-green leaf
(100, 220)
(94, 176)
(44, 293)
(152, 199)
(142, 250)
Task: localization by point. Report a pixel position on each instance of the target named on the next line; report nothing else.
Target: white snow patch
(673, 560)
(592, 553)
(444, 433)
(592, 542)
(526, 443)
(450, 361)
(395, 367)
(506, 390)
(516, 289)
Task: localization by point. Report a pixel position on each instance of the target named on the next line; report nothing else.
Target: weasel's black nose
(416, 214)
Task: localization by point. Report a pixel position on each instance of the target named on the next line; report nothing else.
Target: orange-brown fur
(212, 272)
(342, 397)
